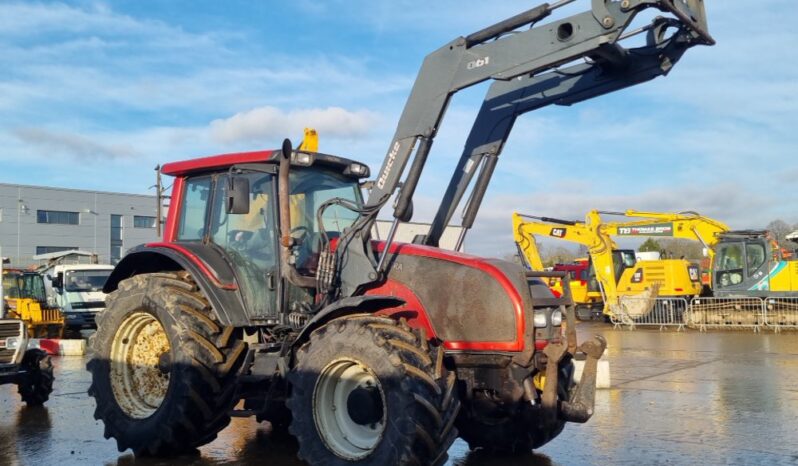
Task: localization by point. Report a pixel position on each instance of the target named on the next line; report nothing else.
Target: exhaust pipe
(286, 241)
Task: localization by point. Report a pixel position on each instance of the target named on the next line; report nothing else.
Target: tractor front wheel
(36, 382)
(163, 368)
(369, 390)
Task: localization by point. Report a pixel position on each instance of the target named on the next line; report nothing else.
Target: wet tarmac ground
(676, 398)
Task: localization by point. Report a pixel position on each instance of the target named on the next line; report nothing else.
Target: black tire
(517, 433)
(199, 365)
(36, 384)
(418, 398)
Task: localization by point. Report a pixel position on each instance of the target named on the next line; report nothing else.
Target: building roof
(91, 191)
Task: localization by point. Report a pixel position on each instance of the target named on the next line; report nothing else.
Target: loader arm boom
(501, 52)
(507, 100)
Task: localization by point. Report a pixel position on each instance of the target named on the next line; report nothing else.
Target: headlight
(556, 318)
(357, 169)
(540, 320)
(302, 158)
(12, 343)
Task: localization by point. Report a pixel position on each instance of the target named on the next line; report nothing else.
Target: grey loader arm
(501, 52)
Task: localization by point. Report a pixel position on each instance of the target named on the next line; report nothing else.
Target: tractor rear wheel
(36, 384)
(163, 368)
(369, 390)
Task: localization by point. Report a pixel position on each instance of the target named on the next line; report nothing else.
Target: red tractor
(268, 288)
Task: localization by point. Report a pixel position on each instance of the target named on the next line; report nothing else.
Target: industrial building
(38, 220)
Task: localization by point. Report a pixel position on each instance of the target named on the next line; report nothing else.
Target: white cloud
(73, 145)
(270, 123)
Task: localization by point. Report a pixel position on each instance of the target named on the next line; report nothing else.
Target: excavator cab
(622, 259)
(743, 261)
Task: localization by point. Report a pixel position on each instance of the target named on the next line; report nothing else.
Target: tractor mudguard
(212, 274)
(350, 305)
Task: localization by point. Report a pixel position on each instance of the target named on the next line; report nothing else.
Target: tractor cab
(227, 209)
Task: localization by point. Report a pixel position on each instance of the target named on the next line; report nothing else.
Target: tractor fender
(346, 306)
(215, 278)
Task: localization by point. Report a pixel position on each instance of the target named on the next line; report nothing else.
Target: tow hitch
(579, 408)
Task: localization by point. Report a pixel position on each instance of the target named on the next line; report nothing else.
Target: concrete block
(71, 347)
(602, 374)
(45, 344)
(59, 347)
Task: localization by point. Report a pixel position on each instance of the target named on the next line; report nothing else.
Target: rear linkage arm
(470, 60)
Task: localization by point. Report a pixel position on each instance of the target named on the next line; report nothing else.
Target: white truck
(78, 290)
(74, 286)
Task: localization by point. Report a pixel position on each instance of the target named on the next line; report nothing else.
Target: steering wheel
(238, 239)
(303, 233)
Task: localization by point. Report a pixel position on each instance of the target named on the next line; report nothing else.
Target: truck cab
(77, 289)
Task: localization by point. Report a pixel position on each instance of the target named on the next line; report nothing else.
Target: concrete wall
(407, 231)
(20, 233)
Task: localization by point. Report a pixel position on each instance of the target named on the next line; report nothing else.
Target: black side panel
(463, 303)
(227, 303)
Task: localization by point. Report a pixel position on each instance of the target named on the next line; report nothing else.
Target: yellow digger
(24, 298)
(744, 263)
(616, 277)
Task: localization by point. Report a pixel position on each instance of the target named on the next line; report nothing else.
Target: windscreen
(310, 189)
(10, 285)
(86, 280)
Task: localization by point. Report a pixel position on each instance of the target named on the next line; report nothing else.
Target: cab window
(195, 203)
(755, 256)
(729, 264)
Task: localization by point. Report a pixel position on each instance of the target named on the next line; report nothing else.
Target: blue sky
(94, 94)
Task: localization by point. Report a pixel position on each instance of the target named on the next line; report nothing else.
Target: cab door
(249, 241)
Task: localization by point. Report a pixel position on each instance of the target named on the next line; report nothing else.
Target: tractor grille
(7, 330)
(10, 329)
(6, 356)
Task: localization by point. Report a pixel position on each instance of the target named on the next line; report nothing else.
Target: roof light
(302, 158)
(357, 169)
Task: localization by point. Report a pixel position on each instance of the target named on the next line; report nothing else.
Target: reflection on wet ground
(677, 398)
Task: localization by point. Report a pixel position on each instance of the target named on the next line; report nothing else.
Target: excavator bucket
(632, 308)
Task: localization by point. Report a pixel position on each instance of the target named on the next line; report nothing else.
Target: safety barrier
(746, 313)
(645, 312)
(781, 313)
(726, 313)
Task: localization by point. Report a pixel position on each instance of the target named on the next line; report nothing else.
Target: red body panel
(216, 161)
(468, 261)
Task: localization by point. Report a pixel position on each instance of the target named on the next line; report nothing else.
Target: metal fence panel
(781, 313)
(727, 313)
(646, 312)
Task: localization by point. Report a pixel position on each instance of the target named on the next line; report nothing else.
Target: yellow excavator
(616, 275)
(24, 298)
(744, 263)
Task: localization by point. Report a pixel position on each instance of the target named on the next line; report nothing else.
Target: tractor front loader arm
(501, 52)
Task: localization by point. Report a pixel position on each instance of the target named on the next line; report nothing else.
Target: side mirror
(238, 195)
(58, 281)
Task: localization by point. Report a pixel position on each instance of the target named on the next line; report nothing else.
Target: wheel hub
(349, 409)
(140, 365)
(364, 405)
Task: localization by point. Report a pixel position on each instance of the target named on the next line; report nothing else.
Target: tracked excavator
(744, 263)
(368, 352)
(616, 276)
